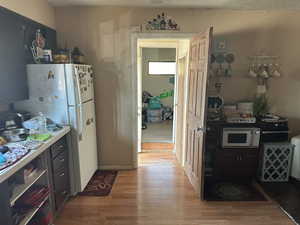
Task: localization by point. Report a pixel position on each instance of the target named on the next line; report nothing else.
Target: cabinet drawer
(61, 188)
(58, 147)
(61, 180)
(60, 162)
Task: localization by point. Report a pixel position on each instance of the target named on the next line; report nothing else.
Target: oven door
(236, 137)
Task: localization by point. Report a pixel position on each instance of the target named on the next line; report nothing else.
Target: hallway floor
(158, 132)
(159, 193)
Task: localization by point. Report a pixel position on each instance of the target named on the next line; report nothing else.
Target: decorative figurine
(161, 22)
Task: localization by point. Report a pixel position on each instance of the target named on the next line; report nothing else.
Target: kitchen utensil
(252, 73)
(16, 135)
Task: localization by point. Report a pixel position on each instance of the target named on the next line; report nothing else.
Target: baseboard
(117, 167)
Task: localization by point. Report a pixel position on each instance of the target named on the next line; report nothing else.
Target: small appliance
(241, 137)
(241, 120)
(273, 128)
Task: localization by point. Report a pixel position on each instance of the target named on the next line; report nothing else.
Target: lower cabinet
(60, 178)
(36, 192)
(241, 163)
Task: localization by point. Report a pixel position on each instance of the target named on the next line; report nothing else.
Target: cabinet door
(236, 163)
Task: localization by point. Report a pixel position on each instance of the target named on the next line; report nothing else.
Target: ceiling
(217, 4)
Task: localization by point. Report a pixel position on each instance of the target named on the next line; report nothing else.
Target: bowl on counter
(15, 135)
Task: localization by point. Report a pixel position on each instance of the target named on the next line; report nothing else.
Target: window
(162, 68)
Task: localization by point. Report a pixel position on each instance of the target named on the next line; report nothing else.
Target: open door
(179, 107)
(197, 105)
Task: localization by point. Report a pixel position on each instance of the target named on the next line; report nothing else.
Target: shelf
(32, 213)
(20, 189)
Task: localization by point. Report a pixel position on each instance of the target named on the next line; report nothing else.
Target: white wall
(38, 10)
(103, 33)
(156, 85)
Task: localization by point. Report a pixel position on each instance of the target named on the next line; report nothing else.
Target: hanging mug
(252, 72)
(276, 72)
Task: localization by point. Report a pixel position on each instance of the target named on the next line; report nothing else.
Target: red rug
(100, 184)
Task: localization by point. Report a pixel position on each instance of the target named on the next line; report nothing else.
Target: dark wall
(16, 35)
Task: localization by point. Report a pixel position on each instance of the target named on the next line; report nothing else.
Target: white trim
(134, 44)
(117, 167)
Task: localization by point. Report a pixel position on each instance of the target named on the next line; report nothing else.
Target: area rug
(229, 191)
(287, 194)
(100, 184)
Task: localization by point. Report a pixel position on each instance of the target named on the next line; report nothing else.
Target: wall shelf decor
(263, 67)
(221, 64)
(161, 22)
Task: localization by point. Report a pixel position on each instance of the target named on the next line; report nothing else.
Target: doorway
(160, 92)
(158, 87)
(195, 48)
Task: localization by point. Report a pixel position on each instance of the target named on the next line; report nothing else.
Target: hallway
(159, 193)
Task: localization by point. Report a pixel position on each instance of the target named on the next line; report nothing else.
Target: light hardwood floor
(159, 193)
(157, 146)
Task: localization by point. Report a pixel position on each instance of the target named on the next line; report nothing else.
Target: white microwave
(246, 137)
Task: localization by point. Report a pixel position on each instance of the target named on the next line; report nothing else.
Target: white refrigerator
(65, 94)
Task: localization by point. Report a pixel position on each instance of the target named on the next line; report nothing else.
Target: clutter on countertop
(39, 137)
(215, 105)
(77, 56)
(62, 56)
(3, 141)
(14, 135)
(18, 141)
(12, 156)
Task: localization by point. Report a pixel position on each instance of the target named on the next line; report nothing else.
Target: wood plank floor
(159, 193)
(157, 146)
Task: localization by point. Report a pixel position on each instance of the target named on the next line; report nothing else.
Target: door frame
(136, 82)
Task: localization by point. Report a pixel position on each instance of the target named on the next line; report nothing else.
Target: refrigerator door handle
(77, 85)
(80, 121)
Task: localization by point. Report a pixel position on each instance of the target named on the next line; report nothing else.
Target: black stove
(273, 129)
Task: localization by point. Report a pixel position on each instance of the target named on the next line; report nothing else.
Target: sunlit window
(162, 68)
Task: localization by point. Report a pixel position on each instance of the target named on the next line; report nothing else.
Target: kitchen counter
(11, 170)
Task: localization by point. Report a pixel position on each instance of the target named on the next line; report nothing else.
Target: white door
(179, 108)
(87, 143)
(197, 104)
(139, 100)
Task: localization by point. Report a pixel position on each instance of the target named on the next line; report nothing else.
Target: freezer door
(84, 137)
(47, 92)
(46, 80)
(79, 84)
